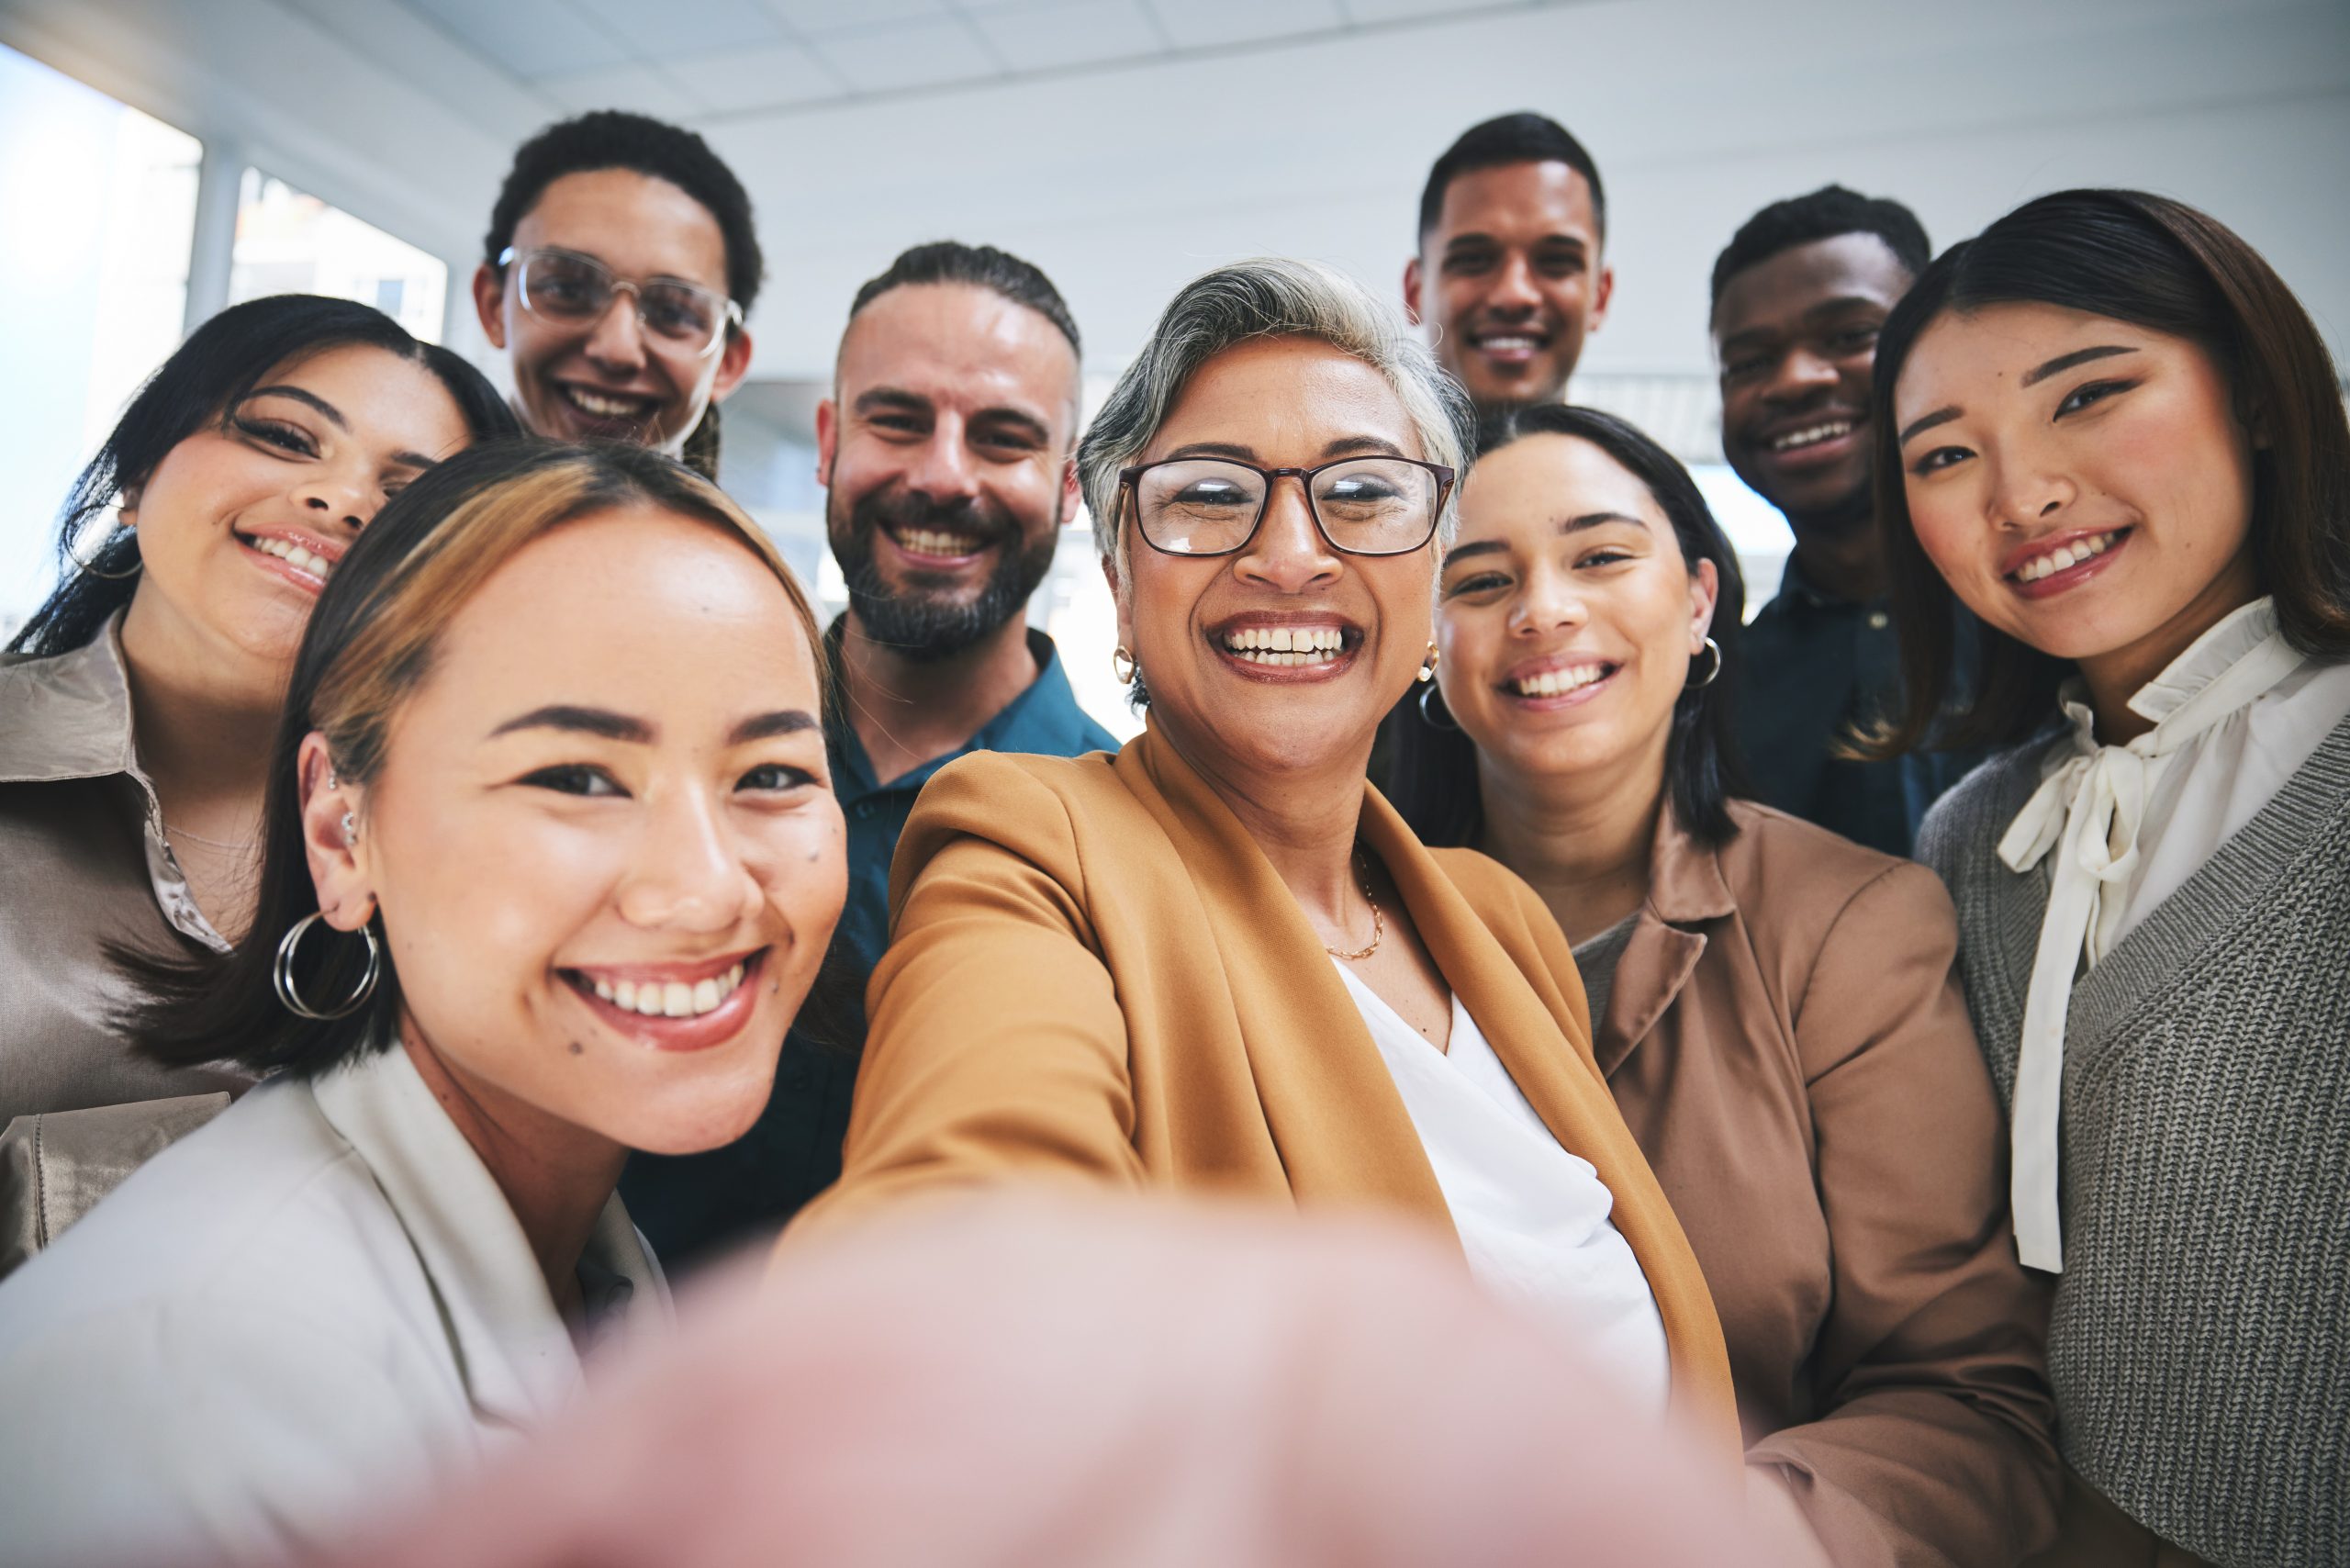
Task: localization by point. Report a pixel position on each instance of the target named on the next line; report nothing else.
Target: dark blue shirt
(1812, 668)
(688, 1205)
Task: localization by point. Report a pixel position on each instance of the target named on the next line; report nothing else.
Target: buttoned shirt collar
(68, 716)
(517, 1356)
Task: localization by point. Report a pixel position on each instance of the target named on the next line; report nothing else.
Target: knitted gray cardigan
(2201, 1343)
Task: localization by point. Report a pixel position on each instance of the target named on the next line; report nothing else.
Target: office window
(291, 242)
(98, 216)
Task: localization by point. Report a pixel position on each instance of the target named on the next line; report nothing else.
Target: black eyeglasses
(1214, 506)
(568, 289)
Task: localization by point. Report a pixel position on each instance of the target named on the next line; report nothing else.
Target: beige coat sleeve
(996, 1047)
(1936, 1447)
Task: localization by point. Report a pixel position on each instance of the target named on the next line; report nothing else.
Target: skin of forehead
(1773, 294)
(639, 225)
(1999, 343)
(960, 343)
(1515, 202)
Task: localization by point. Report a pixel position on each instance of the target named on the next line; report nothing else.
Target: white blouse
(315, 1308)
(2234, 717)
(1532, 1216)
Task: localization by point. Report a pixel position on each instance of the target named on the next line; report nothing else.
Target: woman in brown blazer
(1218, 962)
(1776, 1008)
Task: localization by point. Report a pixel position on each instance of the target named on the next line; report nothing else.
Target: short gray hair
(1267, 297)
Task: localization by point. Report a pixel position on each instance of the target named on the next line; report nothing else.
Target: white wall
(1122, 181)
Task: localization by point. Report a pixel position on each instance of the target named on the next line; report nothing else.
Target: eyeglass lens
(572, 288)
(1372, 506)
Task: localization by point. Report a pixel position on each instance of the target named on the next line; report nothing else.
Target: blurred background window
(97, 214)
(291, 242)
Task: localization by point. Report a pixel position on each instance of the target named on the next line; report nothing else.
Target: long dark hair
(205, 378)
(2162, 265)
(369, 644)
(1433, 779)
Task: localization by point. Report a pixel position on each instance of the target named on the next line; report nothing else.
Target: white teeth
(606, 408)
(1828, 430)
(671, 998)
(1286, 644)
(929, 542)
(1553, 682)
(2063, 555)
(1505, 342)
(294, 555)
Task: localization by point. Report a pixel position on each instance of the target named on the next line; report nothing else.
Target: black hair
(981, 266)
(1523, 138)
(615, 139)
(1433, 778)
(2162, 265)
(200, 386)
(372, 633)
(1824, 214)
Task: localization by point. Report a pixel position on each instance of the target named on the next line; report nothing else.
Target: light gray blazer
(319, 1305)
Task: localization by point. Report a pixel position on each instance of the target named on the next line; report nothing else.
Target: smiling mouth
(2066, 556)
(651, 997)
(598, 404)
(1288, 647)
(943, 544)
(1559, 682)
(1510, 346)
(293, 555)
(1811, 436)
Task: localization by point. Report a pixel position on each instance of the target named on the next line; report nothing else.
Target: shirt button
(1879, 619)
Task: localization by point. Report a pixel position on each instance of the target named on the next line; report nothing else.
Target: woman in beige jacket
(1773, 1006)
(1218, 962)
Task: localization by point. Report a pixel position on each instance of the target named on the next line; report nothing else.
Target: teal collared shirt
(686, 1205)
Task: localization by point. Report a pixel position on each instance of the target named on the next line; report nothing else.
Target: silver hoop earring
(136, 560)
(283, 975)
(1713, 674)
(1434, 716)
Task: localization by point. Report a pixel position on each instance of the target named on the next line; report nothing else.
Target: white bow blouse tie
(2092, 806)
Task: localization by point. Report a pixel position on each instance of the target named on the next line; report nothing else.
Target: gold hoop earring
(1428, 666)
(1124, 664)
(1715, 672)
(120, 527)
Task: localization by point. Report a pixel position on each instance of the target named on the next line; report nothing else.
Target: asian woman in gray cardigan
(2108, 430)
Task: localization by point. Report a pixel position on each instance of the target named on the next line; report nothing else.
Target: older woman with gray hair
(1219, 961)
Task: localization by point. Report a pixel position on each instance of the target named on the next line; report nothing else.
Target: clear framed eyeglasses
(1214, 506)
(565, 288)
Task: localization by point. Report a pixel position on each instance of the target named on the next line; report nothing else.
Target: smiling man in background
(1509, 277)
(947, 450)
(1798, 297)
(619, 263)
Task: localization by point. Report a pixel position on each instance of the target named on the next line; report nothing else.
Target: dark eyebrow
(890, 397)
(1473, 548)
(783, 722)
(311, 399)
(1594, 519)
(1020, 417)
(1920, 427)
(2064, 362)
(602, 721)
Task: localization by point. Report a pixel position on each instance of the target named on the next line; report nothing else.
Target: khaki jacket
(1093, 972)
(1786, 1039)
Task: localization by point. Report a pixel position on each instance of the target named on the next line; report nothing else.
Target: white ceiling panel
(819, 17)
(1072, 32)
(530, 38)
(1375, 11)
(675, 28)
(749, 79)
(1206, 24)
(627, 87)
(917, 55)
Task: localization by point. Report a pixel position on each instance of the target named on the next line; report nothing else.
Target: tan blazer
(1786, 1038)
(1093, 972)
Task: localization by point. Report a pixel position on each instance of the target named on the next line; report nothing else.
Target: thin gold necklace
(207, 842)
(1377, 921)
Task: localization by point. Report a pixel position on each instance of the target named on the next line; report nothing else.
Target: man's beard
(920, 620)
